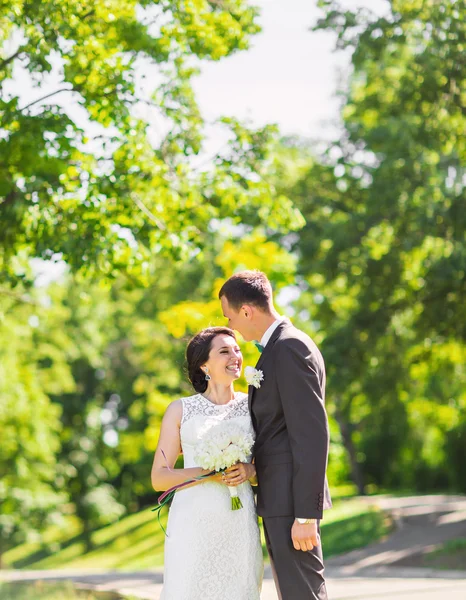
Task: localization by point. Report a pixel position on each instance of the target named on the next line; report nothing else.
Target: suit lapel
(250, 388)
(266, 353)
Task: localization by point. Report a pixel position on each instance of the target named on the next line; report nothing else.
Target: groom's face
(239, 320)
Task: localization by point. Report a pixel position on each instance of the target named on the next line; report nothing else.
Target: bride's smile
(234, 368)
(225, 361)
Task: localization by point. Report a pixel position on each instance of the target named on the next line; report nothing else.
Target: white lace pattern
(212, 552)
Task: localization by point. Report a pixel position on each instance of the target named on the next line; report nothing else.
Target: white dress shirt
(268, 334)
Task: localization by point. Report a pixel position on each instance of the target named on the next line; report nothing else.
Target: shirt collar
(268, 334)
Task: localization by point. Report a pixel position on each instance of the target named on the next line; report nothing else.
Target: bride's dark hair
(197, 354)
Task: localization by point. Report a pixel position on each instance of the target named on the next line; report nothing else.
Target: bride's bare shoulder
(174, 410)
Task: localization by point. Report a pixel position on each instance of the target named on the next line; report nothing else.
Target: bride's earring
(207, 376)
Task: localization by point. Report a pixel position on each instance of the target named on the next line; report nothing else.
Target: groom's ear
(247, 311)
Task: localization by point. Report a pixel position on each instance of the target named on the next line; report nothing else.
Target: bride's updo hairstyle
(197, 354)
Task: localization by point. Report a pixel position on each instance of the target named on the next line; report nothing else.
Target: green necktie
(260, 347)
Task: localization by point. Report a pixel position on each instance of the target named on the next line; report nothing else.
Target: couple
(212, 552)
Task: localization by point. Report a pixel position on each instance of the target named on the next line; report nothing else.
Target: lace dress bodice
(200, 415)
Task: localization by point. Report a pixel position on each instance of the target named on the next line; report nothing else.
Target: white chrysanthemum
(253, 376)
(222, 446)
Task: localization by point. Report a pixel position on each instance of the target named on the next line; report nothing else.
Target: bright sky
(289, 76)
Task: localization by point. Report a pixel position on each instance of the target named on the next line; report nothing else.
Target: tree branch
(17, 297)
(88, 14)
(8, 198)
(45, 97)
(148, 213)
(219, 4)
(8, 60)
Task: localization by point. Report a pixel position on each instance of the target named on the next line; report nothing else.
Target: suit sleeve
(300, 375)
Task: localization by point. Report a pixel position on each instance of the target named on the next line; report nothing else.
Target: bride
(211, 551)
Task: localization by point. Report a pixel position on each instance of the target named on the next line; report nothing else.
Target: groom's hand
(305, 536)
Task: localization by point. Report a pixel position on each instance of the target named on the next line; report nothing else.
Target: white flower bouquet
(221, 447)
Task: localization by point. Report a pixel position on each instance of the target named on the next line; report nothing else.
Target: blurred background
(150, 149)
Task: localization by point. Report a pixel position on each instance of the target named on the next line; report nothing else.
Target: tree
(383, 253)
(29, 424)
(403, 152)
(90, 182)
(111, 182)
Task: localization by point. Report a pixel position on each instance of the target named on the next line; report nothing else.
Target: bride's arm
(164, 475)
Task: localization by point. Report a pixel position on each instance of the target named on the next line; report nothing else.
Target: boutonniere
(253, 376)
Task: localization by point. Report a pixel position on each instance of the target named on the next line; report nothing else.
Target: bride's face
(225, 360)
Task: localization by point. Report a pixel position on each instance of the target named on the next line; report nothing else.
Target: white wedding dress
(211, 551)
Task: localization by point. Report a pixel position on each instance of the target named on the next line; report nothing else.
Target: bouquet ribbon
(169, 494)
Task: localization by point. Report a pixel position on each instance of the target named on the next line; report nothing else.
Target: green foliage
(110, 181)
(40, 590)
(253, 251)
(136, 541)
(353, 532)
(452, 546)
(30, 427)
(100, 172)
(383, 251)
(148, 232)
(402, 163)
(450, 556)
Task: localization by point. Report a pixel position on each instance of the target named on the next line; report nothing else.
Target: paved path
(373, 573)
(422, 522)
(402, 584)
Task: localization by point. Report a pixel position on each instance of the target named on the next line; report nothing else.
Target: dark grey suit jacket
(292, 436)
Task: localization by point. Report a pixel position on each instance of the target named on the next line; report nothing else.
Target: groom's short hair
(248, 287)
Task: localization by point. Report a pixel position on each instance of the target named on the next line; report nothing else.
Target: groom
(292, 435)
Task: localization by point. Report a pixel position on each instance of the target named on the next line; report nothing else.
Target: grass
(40, 590)
(351, 524)
(136, 541)
(451, 555)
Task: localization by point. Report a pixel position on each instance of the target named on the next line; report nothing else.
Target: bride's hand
(239, 473)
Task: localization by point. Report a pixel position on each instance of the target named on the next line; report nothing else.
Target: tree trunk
(82, 512)
(356, 470)
(87, 533)
(2, 550)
